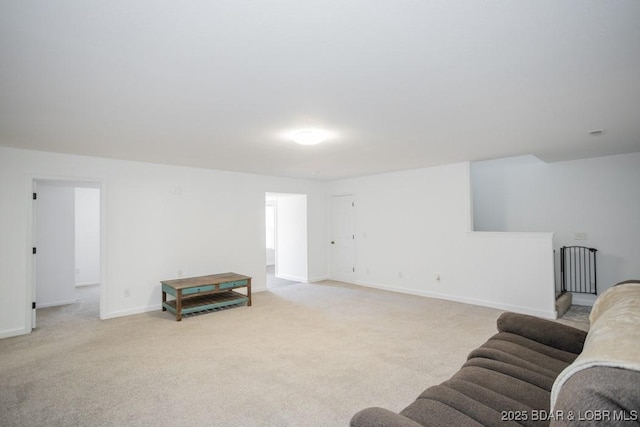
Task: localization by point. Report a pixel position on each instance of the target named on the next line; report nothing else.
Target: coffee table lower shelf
(206, 302)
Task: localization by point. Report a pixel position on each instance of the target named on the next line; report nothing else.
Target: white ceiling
(402, 83)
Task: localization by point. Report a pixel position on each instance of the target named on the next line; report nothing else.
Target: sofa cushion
(520, 356)
(541, 381)
(547, 332)
(427, 412)
(466, 407)
(556, 353)
(380, 417)
(507, 386)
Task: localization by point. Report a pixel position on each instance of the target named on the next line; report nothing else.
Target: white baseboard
(87, 284)
(56, 303)
(473, 301)
(293, 278)
(131, 311)
(14, 332)
(317, 279)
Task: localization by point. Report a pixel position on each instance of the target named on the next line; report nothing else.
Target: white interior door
(343, 243)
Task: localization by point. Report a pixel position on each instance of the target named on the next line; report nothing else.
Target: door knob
(333, 242)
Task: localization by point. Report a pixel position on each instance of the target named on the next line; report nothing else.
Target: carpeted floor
(276, 282)
(303, 355)
(578, 313)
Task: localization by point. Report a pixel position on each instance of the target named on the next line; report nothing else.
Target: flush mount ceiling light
(308, 136)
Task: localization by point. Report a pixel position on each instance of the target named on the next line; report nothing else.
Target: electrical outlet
(399, 274)
(127, 293)
(437, 277)
(179, 274)
(580, 236)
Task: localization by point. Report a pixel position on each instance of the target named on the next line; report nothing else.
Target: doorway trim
(31, 239)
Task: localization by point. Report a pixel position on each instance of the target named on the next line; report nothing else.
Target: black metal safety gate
(578, 269)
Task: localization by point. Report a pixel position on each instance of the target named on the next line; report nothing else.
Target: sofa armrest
(380, 417)
(601, 389)
(548, 332)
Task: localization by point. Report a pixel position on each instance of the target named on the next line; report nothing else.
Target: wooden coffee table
(202, 293)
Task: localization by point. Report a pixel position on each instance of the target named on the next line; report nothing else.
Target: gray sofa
(539, 372)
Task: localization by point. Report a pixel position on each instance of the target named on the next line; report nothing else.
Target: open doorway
(67, 270)
(286, 239)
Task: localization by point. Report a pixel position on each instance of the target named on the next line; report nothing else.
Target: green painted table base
(206, 302)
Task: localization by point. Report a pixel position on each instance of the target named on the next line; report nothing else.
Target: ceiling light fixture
(308, 136)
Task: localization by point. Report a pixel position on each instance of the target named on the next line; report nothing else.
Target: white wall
(599, 197)
(55, 244)
(415, 225)
(87, 236)
(157, 219)
(291, 236)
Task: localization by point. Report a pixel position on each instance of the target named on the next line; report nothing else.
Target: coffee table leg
(179, 305)
(164, 299)
(249, 293)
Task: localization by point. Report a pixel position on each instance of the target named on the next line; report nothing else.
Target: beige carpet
(578, 313)
(303, 355)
